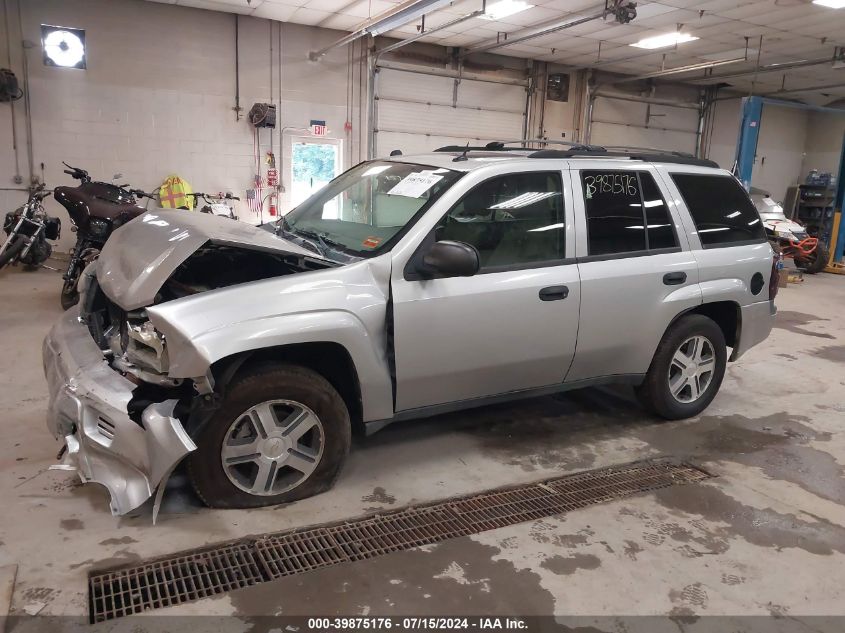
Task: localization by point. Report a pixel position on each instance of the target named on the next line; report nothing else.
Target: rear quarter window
(721, 209)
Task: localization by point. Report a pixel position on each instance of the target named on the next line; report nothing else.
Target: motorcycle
(216, 204)
(789, 237)
(96, 209)
(28, 228)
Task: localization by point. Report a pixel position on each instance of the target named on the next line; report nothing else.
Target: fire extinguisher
(272, 182)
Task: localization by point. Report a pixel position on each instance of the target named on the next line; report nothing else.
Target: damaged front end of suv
(249, 352)
(126, 397)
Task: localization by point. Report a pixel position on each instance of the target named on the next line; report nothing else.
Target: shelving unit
(815, 208)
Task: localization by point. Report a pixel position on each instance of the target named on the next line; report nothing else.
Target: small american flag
(253, 200)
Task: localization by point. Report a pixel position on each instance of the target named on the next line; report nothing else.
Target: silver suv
(405, 288)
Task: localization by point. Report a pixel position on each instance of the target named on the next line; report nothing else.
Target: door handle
(554, 293)
(674, 279)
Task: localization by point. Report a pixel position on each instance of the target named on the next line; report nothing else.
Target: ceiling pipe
(422, 34)
(675, 71)
(623, 11)
(766, 68)
(599, 63)
(383, 22)
(609, 62)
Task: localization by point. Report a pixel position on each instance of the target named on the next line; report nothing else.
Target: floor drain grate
(193, 575)
(172, 581)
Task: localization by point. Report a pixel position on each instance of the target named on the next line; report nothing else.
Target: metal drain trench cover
(189, 576)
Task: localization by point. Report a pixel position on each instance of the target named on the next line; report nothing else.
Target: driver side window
(511, 220)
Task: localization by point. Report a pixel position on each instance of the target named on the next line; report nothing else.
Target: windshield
(366, 209)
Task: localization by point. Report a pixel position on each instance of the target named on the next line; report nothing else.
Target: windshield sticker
(415, 185)
(371, 242)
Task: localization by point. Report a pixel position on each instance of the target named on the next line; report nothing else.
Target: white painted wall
(792, 141)
(823, 147)
(780, 149)
(158, 94)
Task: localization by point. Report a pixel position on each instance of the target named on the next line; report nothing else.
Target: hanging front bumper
(88, 412)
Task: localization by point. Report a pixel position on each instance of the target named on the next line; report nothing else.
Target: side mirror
(450, 259)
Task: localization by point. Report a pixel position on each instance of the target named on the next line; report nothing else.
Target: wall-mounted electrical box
(557, 87)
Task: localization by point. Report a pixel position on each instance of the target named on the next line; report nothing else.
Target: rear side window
(625, 213)
(721, 209)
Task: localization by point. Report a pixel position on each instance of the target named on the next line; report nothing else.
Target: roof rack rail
(501, 146)
(477, 148)
(646, 154)
(678, 158)
(650, 150)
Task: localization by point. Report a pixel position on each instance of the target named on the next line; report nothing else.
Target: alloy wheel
(272, 447)
(691, 369)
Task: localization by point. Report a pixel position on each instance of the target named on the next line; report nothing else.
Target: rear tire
(14, 249)
(243, 461)
(678, 384)
(815, 262)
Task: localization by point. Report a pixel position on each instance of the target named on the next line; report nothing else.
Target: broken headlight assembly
(141, 351)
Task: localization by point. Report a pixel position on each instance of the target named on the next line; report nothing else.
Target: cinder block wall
(158, 94)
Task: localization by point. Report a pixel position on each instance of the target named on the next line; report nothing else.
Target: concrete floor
(767, 536)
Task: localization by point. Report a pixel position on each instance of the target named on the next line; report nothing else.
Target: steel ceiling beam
(386, 21)
(422, 34)
(790, 91)
(539, 30)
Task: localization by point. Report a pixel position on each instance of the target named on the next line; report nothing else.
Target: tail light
(774, 280)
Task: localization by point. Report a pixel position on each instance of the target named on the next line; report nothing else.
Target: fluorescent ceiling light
(377, 169)
(550, 227)
(667, 39)
(505, 8)
(832, 4)
(524, 200)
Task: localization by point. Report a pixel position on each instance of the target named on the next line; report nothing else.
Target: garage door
(417, 113)
(617, 122)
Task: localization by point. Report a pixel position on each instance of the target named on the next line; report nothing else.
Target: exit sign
(318, 128)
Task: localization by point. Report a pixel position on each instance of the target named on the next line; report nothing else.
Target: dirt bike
(216, 204)
(28, 228)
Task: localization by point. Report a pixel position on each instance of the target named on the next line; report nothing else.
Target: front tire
(70, 295)
(687, 369)
(815, 262)
(14, 249)
(282, 433)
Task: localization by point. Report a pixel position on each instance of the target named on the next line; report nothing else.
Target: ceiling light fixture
(63, 46)
(831, 4)
(667, 39)
(504, 8)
